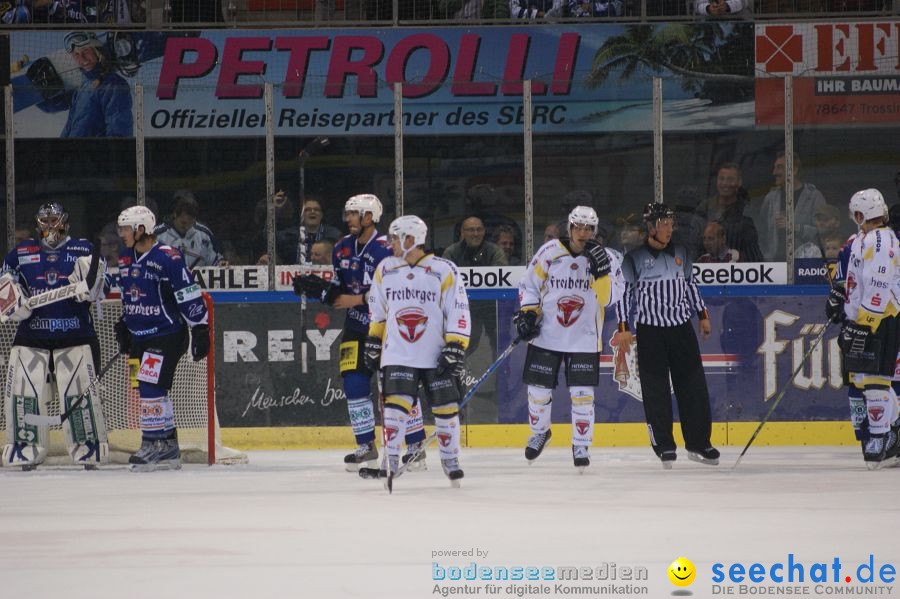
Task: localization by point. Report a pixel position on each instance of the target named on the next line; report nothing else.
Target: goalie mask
(52, 224)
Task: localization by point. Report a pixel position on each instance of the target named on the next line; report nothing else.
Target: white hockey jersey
(572, 302)
(873, 277)
(416, 310)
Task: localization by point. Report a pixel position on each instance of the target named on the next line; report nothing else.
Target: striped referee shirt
(659, 287)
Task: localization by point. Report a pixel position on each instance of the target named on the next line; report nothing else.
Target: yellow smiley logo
(682, 572)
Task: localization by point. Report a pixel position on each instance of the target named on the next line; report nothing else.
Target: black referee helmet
(655, 211)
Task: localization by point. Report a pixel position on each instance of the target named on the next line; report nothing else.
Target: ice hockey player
(660, 299)
(159, 302)
(54, 343)
(562, 298)
(418, 332)
(355, 258)
(870, 338)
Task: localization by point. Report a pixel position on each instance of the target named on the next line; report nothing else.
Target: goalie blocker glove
(597, 256)
(372, 353)
(452, 360)
(526, 324)
(314, 287)
(199, 342)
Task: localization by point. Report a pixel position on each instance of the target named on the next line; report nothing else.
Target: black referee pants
(665, 350)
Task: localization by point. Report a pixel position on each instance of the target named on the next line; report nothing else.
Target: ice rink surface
(294, 524)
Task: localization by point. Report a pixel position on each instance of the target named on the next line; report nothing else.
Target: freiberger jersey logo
(568, 309)
(411, 323)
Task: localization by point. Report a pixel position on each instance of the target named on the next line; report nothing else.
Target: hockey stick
(38, 420)
(775, 403)
(373, 473)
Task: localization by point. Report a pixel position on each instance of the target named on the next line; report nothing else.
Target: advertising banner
(756, 343)
(340, 81)
(843, 72)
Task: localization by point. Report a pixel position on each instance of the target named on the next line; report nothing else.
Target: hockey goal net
(193, 398)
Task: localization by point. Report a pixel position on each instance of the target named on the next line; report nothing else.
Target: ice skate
(536, 444)
(581, 457)
(361, 456)
(882, 451)
(156, 454)
(452, 470)
(708, 456)
(667, 458)
(419, 463)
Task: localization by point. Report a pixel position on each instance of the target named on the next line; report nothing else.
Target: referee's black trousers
(673, 349)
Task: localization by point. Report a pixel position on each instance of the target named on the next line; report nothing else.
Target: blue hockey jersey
(353, 271)
(843, 259)
(38, 268)
(158, 292)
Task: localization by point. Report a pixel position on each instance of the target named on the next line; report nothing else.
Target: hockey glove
(452, 360)
(597, 256)
(199, 342)
(834, 305)
(314, 287)
(372, 353)
(526, 324)
(123, 336)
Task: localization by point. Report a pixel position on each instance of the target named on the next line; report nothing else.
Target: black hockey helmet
(655, 211)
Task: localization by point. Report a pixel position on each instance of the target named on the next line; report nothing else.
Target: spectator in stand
(316, 230)
(716, 248)
(551, 231)
(184, 232)
(473, 250)
(729, 208)
(832, 245)
(596, 8)
(772, 218)
(320, 253)
(631, 232)
(720, 8)
(537, 9)
(505, 238)
(828, 222)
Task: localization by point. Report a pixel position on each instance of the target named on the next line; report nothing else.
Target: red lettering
(438, 64)
(897, 44)
(514, 72)
(869, 49)
(566, 55)
(829, 47)
(233, 67)
(463, 75)
(823, 44)
(300, 49)
(174, 67)
(342, 65)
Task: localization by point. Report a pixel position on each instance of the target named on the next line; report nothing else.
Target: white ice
(294, 524)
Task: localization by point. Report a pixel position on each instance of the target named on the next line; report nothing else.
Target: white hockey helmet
(136, 216)
(363, 203)
(583, 215)
(868, 202)
(409, 225)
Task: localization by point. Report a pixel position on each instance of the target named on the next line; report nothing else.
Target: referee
(660, 298)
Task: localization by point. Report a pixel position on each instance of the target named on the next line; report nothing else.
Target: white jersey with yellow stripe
(873, 278)
(560, 286)
(416, 310)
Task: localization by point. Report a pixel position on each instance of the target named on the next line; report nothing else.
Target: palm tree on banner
(704, 51)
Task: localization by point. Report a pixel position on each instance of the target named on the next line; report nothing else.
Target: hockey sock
(394, 429)
(539, 399)
(415, 426)
(582, 415)
(157, 417)
(858, 412)
(881, 409)
(447, 428)
(362, 419)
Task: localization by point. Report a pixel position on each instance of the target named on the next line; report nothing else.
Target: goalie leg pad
(85, 430)
(26, 393)
(539, 399)
(582, 415)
